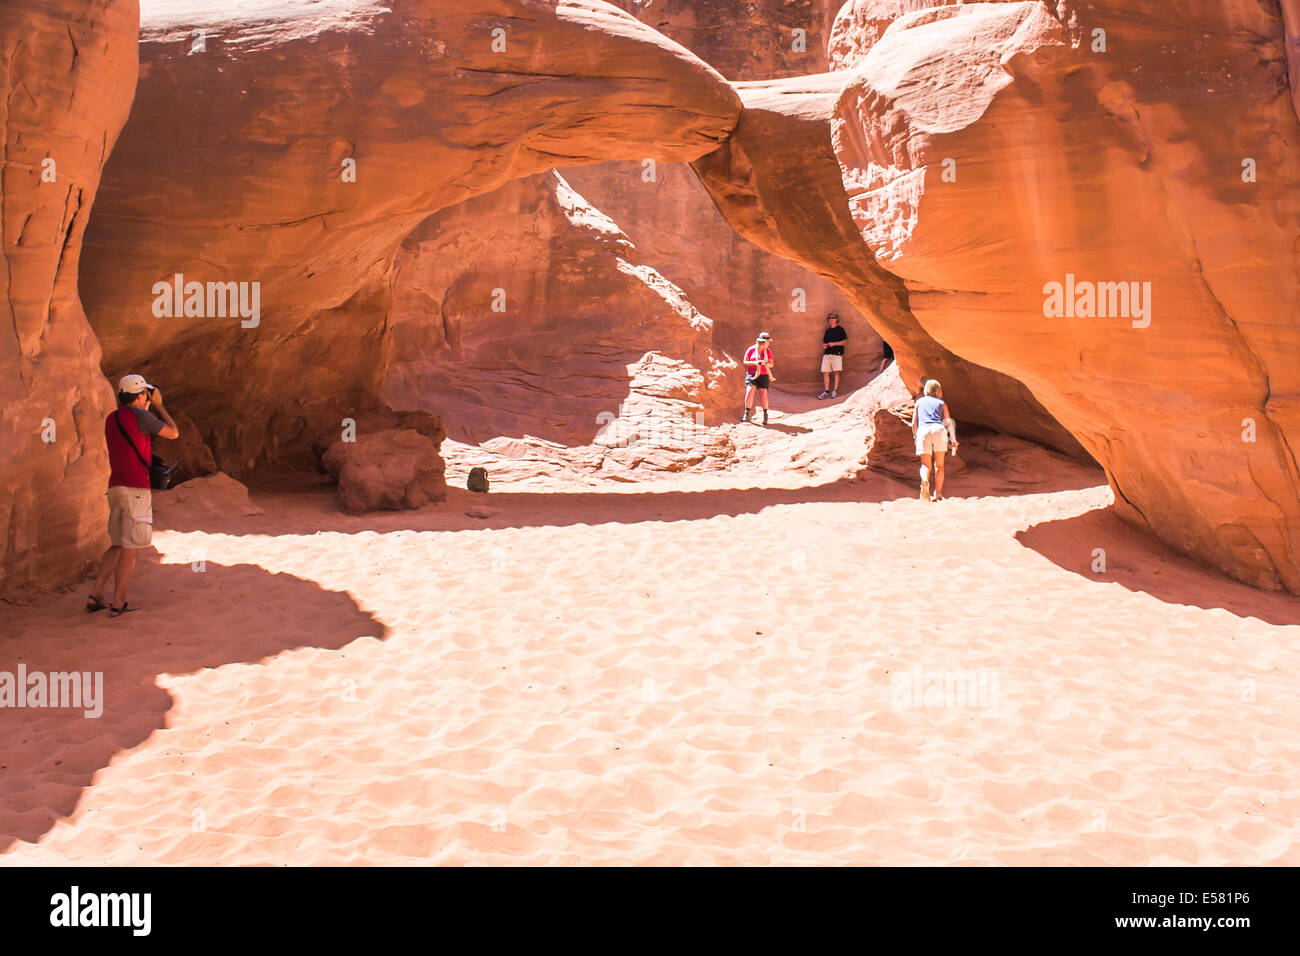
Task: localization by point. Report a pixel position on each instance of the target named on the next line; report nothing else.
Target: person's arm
(914, 413)
(169, 429)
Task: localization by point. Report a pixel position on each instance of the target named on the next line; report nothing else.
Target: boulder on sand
(199, 500)
(386, 460)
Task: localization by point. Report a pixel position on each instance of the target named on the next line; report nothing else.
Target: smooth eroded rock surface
(742, 287)
(67, 71)
(294, 145)
(1117, 230)
(528, 312)
(778, 183)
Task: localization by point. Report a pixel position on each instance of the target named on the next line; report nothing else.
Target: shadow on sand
(48, 757)
(629, 505)
(1141, 563)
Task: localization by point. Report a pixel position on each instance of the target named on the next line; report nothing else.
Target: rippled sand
(659, 675)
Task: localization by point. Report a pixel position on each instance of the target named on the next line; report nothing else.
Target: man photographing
(129, 433)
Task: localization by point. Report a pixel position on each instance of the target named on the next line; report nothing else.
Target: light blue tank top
(929, 411)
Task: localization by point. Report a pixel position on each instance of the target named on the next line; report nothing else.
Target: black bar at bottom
(332, 907)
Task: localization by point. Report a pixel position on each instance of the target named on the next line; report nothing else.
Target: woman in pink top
(758, 374)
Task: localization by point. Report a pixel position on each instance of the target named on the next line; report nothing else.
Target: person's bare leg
(826, 381)
(925, 477)
(837, 381)
(107, 565)
(125, 566)
(938, 475)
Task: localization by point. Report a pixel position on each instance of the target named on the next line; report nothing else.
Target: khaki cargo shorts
(130, 516)
(832, 363)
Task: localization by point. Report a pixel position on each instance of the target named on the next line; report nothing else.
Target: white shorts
(832, 363)
(931, 438)
(130, 516)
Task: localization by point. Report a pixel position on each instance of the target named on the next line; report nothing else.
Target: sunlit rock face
(778, 183)
(671, 218)
(288, 147)
(528, 312)
(1100, 201)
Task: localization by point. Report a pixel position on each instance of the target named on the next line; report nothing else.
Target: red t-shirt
(752, 364)
(125, 466)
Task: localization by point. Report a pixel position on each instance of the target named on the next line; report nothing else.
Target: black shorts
(758, 381)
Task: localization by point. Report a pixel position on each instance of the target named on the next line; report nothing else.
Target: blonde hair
(933, 387)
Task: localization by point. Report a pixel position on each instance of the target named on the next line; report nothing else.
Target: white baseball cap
(133, 385)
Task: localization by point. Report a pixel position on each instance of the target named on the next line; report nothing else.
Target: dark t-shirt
(125, 467)
(833, 335)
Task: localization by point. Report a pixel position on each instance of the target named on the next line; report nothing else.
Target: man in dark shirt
(128, 432)
(833, 340)
(887, 357)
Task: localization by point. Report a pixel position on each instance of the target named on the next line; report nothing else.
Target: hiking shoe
(745, 417)
(765, 416)
(824, 395)
(925, 491)
(835, 393)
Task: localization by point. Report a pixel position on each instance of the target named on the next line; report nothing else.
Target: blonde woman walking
(929, 426)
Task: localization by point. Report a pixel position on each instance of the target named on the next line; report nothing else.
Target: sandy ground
(699, 670)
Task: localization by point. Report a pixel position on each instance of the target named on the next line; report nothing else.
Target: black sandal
(126, 608)
(94, 604)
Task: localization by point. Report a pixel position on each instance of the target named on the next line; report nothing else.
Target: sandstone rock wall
(778, 183)
(965, 160)
(746, 39)
(1149, 172)
(295, 144)
(742, 287)
(1291, 28)
(67, 72)
(528, 312)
